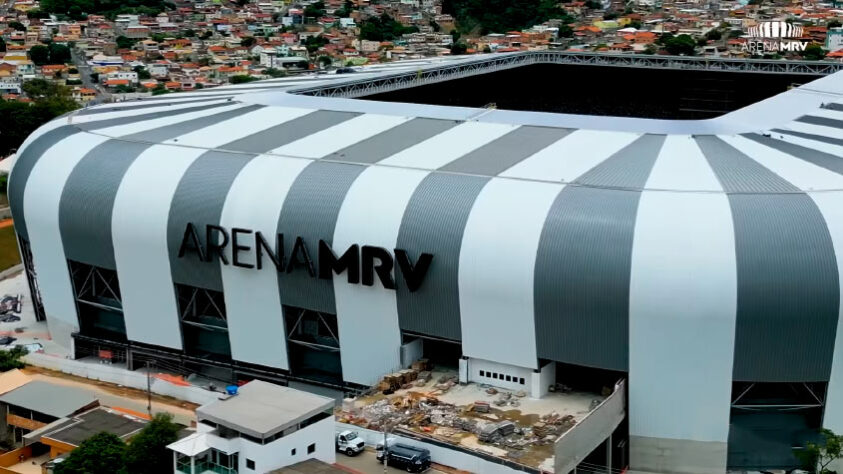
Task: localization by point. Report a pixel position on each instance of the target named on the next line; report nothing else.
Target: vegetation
(818, 456)
(2, 45)
(10, 359)
(384, 28)
(53, 54)
(124, 42)
(813, 52)
(242, 79)
(346, 10)
(313, 43)
(50, 101)
(143, 73)
(834, 24)
(110, 8)
(315, 10)
(684, 45)
(16, 25)
(248, 41)
(499, 16)
(272, 72)
(147, 452)
(102, 453)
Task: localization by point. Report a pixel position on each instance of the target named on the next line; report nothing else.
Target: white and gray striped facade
(689, 255)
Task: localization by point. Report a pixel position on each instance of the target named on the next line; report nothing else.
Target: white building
(263, 427)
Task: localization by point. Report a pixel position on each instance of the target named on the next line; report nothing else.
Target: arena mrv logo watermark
(774, 37)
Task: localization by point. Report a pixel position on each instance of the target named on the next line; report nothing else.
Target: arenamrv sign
(774, 37)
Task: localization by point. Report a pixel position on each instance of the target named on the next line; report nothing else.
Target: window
(293, 452)
(521, 380)
(250, 464)
(311, 448)
(508, 378)
(494, 375)
(482, 373)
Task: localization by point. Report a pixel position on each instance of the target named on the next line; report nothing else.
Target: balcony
(204, 467)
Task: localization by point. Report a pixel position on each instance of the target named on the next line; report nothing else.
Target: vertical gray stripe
(833, 106)
(584, 259)
(809, 136)
(826, 160)
(199, 199)
(503, 152)
(310, 211)
(434, 222)
(27, 159)
(788, 290)
(826, 122)
(288, 132)
(390, 142)
(88, 196)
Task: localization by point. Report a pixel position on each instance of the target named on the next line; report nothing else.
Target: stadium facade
(264, 233)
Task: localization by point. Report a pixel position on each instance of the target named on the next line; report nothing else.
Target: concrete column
(609, 455)
(463, 370)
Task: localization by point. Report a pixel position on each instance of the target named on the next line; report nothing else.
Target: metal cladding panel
(140, 244)
(88, 199)
(124, 107)
(310, 212)
(826, 160)
(326, 142)
(199, 200)
(824, 121)
(23, 168)
(788, 287)
(41, 203)
(434, 222)
(382, 145)
(367, 316)
(496, 275)
(451, 144)
(288, 131)
(583, 262)
(810, 136)
(253, 304)
(683, 292)
(500, 154)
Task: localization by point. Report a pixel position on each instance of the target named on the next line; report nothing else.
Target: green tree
(714, 35)
(683, 45)
(2, 45)
(11, 359)
(124, 42)
(272, 72)
(818, 456)
(834, 24)
(37, 13)
(313, 43)
(346, 9)
(102, 453)
(315, 10)
(143, 73)
(189, 33)
(147, 453)
(325, 61)
(16, 25)
(458, 48)
(813, 52)
(59, 53)
(39, 54)
(565, 31)
(248, 41)
(243, 78)
(383, 28)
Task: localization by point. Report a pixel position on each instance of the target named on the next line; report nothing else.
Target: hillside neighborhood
(185, 45)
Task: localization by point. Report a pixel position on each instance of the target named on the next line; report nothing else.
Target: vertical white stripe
(252, 299)
(806, 175)
(139, 232)
(340, 136)
(41, 203)
(496, 271)
(367, 316)
(449, 145)
(129, 128)
(681, 322)
(570, 157)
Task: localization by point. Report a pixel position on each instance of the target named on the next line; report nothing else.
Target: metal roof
(49, 399)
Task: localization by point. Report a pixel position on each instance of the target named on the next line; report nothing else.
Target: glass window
(250, 464)
(508, 378)
(521, 380)
(311, 448)
(293, 452)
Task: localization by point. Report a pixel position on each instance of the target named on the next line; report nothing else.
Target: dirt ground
(115, 395)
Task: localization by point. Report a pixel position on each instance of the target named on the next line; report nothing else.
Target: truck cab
(350, 443)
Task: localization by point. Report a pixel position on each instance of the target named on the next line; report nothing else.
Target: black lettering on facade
(413, 274)
(383, 268)
(329, 263)
(276, 256)
(236, 248)
(190, 242)
(300, 257)
(215, 247)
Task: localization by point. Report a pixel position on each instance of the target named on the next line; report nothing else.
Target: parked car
(6, 340)
(405, 457)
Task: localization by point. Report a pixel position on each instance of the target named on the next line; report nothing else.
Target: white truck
(350, 443)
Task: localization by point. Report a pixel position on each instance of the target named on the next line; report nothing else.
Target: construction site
(430, 404)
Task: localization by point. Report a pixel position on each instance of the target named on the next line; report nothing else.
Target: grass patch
(9, 255)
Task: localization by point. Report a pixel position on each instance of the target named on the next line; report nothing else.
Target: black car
(407, 457)
(6, 340)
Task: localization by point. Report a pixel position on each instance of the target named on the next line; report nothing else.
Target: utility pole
(148, 390)
(384, 448)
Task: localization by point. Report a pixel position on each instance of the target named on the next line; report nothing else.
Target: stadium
(328, 229)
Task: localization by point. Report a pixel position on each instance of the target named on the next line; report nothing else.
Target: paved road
(85, 75)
